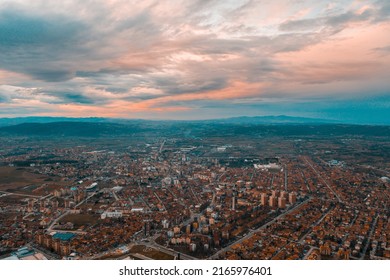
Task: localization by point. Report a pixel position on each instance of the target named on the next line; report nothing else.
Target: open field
(80, 219)
(150, 253)
(22, 180)
(16, 176)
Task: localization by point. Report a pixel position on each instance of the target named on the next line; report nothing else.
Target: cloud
(38, 46)
(385, 49)
(72, 97)
(333, 22)
(383, 10)
(120, 56)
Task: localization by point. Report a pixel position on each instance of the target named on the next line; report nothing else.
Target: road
(158, 198)
(50, 227)
(323, 180)
(156, 246)
(309, 252)
(161, 147)
(21, 194)
(28, 214)
(114, 195)
(49, 255)
(112, 251)
(305, 179)
(195, 196)
(301, 241)
(285, 177)
(249, 235)
(272, 180)
(213, 199)
(369, 238)
(84, 200)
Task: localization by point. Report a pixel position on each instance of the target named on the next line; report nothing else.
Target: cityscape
(169, 191)
(200, 130)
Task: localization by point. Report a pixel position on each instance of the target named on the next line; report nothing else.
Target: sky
(198, 59)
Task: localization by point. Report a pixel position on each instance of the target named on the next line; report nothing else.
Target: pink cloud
(348, 56)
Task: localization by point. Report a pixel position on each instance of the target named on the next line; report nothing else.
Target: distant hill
(20, 120)
(235, 120)
(189, 129)
(78, 129)
(274, 120)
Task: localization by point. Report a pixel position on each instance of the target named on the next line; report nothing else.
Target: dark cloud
(73, 97)
(38, 46)
(336, 22)
(58, 47)
(18, 29)
(349, 17)
(384, 10)
(192, 86)
(115, 89)
(50, 75)
(302, 24)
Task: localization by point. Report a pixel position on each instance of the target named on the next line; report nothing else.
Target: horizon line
(319, 120)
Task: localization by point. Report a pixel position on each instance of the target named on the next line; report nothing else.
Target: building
(114, 214)
(195, 225)
(292, 198)
(64, 249)
(165, 224)
(30, 207)
(192, 247)
(273, 201)
(233, 203)
(56, 245)
(147, 227)
(26, 253)
(281, 202)
(325, 249)
(264, 199)
(91, 188)
(176, 229)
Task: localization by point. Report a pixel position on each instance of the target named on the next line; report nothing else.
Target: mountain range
(240, 126)
(235, 120)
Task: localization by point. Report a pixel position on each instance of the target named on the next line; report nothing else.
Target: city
(198, 137)
(177, 193)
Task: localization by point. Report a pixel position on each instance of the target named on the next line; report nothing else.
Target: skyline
(198, 60)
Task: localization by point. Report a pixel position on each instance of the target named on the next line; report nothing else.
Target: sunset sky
(196, 59)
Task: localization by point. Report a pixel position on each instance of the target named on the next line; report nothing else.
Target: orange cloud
(348, 57)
